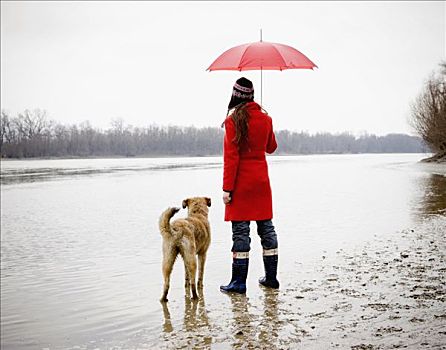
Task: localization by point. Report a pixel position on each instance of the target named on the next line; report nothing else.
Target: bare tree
(6, 134)
(429, 112)
(31, 123)
(117, 125)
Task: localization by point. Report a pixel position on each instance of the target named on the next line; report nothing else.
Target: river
(81, 251)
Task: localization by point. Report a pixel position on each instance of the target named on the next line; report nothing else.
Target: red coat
(245, 171)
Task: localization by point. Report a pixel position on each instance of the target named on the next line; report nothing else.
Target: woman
(246, 188)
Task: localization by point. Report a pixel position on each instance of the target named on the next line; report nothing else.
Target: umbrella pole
(261, 75)
(261, 86)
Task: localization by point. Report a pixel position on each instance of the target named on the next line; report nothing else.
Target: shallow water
(80, 248)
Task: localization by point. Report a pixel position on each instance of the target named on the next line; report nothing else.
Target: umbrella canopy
(261, 55)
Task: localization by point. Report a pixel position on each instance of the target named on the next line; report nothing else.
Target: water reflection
(252, 326)
(16, 175)
(242, 328)
(253, 330)
(195, 313)
(270, 324)
(195, 321)
(433, 200)
(167, 325)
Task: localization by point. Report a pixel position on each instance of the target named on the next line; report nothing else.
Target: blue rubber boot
(239, 275)
(270, 279)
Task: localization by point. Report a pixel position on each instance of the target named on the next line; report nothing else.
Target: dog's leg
(186, 280)
(190, 265)
(201, 262)
(168, 261)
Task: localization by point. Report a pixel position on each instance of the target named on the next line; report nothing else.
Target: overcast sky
(145, 62)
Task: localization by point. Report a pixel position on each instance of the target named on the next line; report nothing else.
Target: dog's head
(197, 205)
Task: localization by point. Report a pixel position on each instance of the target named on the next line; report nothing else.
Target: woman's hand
(226, 197)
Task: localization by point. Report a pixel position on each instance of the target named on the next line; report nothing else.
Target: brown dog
(188, 237)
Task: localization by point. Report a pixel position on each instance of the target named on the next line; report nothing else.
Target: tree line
(31, 134)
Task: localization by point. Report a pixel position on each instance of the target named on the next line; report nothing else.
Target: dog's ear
(208, 201)
(185, 203)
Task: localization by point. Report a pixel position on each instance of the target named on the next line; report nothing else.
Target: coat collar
(252, 105)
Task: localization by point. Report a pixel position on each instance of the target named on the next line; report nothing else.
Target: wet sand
(389, 293)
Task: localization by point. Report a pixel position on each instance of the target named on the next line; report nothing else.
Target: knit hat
(243, 91)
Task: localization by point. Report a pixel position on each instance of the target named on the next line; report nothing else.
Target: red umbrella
(261, 55)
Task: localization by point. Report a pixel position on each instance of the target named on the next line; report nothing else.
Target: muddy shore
(388, 294)
(436, 158)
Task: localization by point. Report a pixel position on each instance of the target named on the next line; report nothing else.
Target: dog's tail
(164, 221)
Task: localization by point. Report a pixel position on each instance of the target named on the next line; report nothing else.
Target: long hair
(240, 118)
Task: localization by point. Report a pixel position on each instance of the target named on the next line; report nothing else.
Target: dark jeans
(241, 240)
